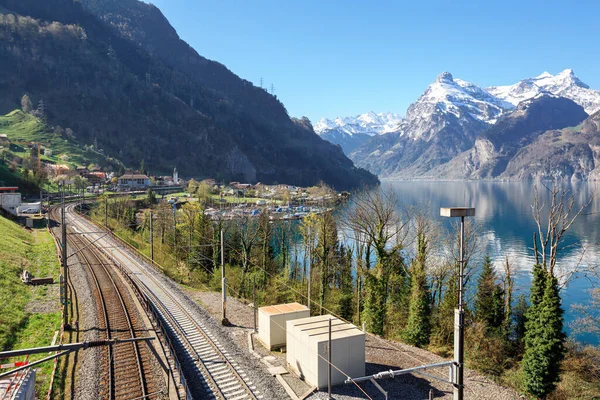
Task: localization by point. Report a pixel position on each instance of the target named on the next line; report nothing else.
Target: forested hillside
(142, 94)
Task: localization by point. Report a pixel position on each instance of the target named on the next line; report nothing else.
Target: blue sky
(339, 58)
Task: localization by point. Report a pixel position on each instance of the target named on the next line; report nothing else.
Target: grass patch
(33, 250)
(21, 127)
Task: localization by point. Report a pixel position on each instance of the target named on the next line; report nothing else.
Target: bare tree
(374, 220)
(589, 320)
(248, 230)
(554, 223)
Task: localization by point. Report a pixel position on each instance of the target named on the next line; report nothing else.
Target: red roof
(9, 189)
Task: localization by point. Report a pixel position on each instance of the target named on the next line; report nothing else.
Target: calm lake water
(504, 218)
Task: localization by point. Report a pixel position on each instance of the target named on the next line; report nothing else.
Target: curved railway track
(210, 369)
(129, 372)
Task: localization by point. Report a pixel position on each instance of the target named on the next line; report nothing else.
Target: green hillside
(21, 127)
(18, 166)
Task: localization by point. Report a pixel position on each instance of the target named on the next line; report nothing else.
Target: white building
(10, 200)
(134, 181)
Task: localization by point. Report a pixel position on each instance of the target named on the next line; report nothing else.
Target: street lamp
(459, 314)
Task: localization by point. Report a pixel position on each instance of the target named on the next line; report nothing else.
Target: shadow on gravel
(401, 387)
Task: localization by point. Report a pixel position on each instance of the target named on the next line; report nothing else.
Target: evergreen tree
(444, 329)
(544, 336)
(520, 313)
(489, 300)
(150, 197)
(41, 110)
(417, 329)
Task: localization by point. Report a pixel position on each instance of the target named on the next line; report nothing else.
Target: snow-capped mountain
(564, 84)
(443, 122)
(369, 124)
(450, 97)
(350, 132)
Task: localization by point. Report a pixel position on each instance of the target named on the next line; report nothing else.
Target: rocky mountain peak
(445, 77)
(564, 84)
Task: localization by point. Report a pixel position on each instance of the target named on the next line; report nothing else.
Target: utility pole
(151, 237)
(106, 212)
(175, 227)
(309, 267)
(329, 363)
(459, 313)
(254, 303)
(224, 320)
(64, 260)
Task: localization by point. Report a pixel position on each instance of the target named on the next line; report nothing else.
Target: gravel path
(230, 339)
(381, 355)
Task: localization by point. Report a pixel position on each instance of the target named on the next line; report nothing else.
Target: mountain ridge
(447, 119)
(108, 87)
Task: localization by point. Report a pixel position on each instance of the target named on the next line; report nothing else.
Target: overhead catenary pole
(64, 260)
(224, 320)
(255, 308)
(151, 236)
(106, 212)
(309, 269)
(329, 363)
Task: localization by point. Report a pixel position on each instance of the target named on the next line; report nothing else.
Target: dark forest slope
(146, 95)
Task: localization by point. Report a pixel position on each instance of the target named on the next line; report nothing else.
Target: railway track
(128, 372)
(210, 371)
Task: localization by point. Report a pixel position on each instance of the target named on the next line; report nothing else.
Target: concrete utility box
(10, 202)
(307, 338)
(272, 320)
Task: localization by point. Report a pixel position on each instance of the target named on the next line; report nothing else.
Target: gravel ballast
(381, 355)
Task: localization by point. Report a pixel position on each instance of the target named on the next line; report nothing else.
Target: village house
(134, 180)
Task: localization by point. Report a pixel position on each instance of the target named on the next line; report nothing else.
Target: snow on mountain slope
(368, 124)
(564, 84)
(448, 97)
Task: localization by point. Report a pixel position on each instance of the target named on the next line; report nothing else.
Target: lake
(504, 217)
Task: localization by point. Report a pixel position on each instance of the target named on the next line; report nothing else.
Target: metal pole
(175, 227)
(459, 317)
(106, 212)
(329, 363)
(64, 261)
(224, 320)
(151, 236)
(254, 302)
(309, 268)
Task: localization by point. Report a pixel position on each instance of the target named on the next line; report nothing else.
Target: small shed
(307, 341)
(272, 322)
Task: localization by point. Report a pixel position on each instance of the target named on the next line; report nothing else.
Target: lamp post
(459, 314)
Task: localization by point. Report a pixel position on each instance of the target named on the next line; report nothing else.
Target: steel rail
(174, 322)
(109, 333)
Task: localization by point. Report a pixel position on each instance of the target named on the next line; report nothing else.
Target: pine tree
(544, 335)
(489, 300)
(444, 317)
(417, 329)
(520, 315)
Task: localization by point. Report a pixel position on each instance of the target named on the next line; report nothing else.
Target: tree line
(393, 272)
